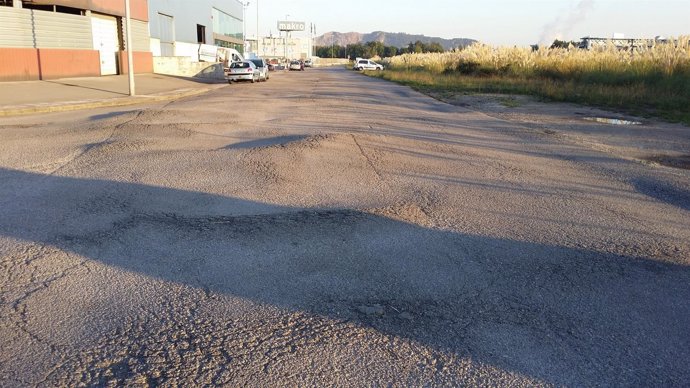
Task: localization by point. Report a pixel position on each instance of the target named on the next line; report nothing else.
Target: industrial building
(620, 42)
(180, 28)
(48, 39)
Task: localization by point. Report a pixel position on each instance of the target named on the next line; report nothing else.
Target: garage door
(167, 34)
(105, 41)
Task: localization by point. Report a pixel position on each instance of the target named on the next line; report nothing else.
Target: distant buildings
(619, 42)
(281, 47)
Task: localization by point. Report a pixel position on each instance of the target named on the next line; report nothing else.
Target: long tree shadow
(558, 314)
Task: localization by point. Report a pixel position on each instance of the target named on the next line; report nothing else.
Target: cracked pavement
(329, 229)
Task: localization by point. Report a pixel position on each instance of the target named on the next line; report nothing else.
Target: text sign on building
(291, 26)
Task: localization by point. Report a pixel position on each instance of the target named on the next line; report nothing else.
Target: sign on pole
(291, 26)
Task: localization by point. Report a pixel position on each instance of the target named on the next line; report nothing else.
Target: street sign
(291, 26)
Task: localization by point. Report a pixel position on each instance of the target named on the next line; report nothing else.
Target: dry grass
(647, 81)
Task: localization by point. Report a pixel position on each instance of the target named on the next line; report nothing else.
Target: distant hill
(397, 39)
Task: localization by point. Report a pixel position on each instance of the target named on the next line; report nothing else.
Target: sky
(495, 22)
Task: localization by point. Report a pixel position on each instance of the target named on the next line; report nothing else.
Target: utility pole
(244, 27)
(130, 61)
(258, 44)
(285, 41)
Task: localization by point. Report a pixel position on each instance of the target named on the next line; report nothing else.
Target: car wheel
(230, 81)
(360, 68)
(253, 79)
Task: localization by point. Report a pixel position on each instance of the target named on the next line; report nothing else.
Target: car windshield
(294, 63)
(258, 62)
(240, 65)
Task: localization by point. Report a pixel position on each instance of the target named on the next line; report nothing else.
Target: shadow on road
(664, 192)
(555, 313)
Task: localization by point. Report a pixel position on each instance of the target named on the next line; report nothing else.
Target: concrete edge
(110, 102)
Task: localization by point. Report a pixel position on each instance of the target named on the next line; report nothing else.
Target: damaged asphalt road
(325, 228)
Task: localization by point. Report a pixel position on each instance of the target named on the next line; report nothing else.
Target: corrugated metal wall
(41, 29)
(140, 35)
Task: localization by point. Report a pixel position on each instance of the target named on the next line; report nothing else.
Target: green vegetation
(647, 81)
(375, 49)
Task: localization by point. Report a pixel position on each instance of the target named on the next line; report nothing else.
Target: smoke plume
(563, 25)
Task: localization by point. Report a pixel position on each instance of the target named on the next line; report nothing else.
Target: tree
(434, 47)
(563, 44)
(390, 51)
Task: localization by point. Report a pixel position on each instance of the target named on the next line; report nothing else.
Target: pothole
(267, 142)
(682, 161)
(612, 121)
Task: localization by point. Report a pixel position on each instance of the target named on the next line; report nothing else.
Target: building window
(6, 3)
(69, 10)
(201, 33)
(50, 8)
(39, 7)
(227, 25)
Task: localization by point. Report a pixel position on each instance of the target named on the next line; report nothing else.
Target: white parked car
(263, 68)
(296, 65)
(366, 64)
(243, 71)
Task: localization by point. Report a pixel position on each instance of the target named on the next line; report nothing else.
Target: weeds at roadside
(649, 81)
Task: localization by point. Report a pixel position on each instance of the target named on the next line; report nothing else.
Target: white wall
(184, 49)
(182, 66)
(187, 14)
(156, 47)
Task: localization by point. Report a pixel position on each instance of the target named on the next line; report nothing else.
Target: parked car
(243, 71)
(297, 65)
(366, 64)
(308, 63)
(263, 68)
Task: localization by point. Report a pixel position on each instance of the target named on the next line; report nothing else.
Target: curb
(91, 104)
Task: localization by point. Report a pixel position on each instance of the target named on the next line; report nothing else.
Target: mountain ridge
(397, 39)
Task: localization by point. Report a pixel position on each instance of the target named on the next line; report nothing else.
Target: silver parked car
(243, 71)
(262, 66)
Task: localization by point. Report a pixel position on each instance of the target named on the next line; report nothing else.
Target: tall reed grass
(651, 80)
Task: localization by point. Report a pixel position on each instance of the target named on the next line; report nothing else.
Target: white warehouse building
(183, 28)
